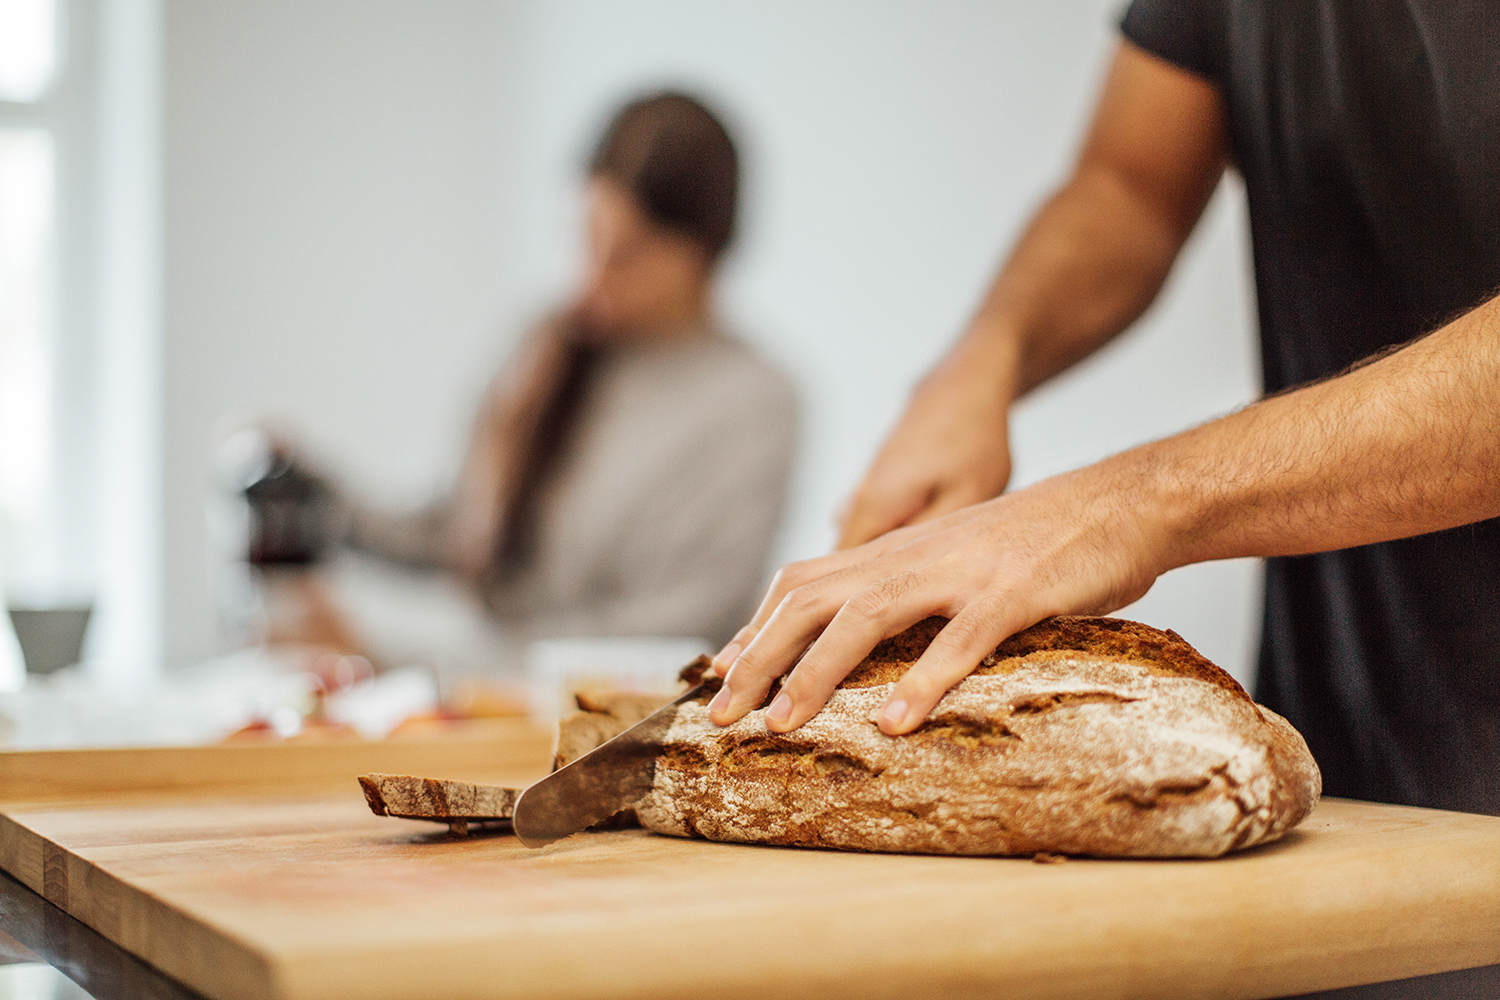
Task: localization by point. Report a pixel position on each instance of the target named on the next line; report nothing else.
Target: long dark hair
(677, 160)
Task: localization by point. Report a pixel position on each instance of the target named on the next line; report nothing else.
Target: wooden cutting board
(316, 897)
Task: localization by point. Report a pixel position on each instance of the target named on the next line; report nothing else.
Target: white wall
(335, 243)
(93, 532)
(364, 198)
(125, 644)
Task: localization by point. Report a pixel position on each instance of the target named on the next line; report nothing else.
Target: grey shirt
(658, 515)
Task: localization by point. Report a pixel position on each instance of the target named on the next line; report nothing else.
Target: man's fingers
(800, 574)
(762, 668)
(724, 658)
(792, 577)
(883, 609)
(795, 623)
(972, 635)
(804, 599)
(797, 620)
(740, 693)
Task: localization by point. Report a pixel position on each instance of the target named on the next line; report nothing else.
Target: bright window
(29, 68)
(79, 369)
(25, 321)
(28, 48)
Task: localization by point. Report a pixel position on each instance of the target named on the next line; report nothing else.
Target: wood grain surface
(319, 898)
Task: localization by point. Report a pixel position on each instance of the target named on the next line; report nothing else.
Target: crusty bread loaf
(1091, 736)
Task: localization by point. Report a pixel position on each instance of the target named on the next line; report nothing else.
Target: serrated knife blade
(599, 784)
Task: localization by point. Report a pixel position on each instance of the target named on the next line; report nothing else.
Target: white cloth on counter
(202, 704)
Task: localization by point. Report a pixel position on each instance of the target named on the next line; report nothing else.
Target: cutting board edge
(471, 975)
(132, 918)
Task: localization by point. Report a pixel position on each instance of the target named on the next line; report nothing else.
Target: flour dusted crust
(1092, 736)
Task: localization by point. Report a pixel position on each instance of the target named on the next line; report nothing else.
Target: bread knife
(609, 778)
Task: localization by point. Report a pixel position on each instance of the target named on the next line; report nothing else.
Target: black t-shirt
(1368, 134)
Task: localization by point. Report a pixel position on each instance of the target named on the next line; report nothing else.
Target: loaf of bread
(1082, 736)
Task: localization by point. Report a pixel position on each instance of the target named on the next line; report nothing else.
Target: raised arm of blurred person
(1089, 263)
(463, 531)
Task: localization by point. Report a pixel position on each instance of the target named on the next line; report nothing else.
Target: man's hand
(949, 450)
(1405, 445)
(1075, 544)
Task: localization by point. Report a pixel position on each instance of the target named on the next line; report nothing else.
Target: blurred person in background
(627, 470)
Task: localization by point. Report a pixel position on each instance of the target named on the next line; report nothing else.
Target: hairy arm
(1089, 263)
(1404, 445)
(1407, 444)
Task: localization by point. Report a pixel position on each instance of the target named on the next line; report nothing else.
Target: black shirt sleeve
(1186, 33)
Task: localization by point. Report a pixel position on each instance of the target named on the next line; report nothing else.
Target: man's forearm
(1403, 446)
(1097, 252)
(1089, 263)
(1091, 260)
(1086, 267)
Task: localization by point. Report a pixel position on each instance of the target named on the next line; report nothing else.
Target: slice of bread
(1086, 736)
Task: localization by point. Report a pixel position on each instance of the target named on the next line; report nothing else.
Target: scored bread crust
(1090, 736)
